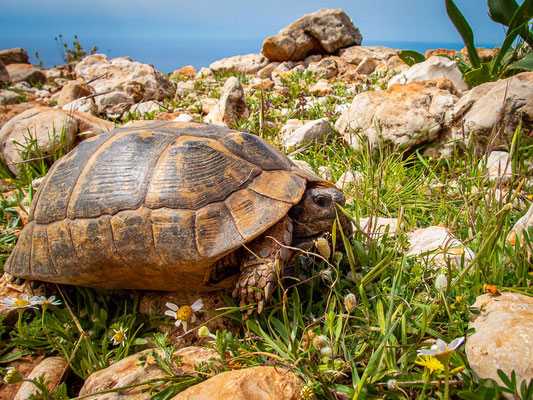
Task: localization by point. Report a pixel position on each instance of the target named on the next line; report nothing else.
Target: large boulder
(403, 115)
(14, 56)
(122, 82)
(48, 127)
(258, 383)
(247, 64)
(494, 108)
(25, 73)
(503, 337)
(434, 68)
(324, 31)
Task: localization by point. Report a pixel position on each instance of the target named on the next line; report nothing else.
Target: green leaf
(502, 11)
(524, 63)
(11, 357)
(505, 379)
(468, 395)
(478, 76)
(411, 57)
(464, 30)
(520, 19)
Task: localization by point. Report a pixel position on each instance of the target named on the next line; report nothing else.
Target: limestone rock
(303, 165)
(495, 107)
(438, 52)
(258, 383)
(8, 97)
(25, 73)
(16, 55)
(4, 75)
(145, 107)
(366, 66)
(266, 72)
(503, 337)
(44, 124)
(290, 126)
(128, 372)
(433, 68)
(52, 368)
(324, 31)
(321, 88)
(247, 64)
(356, 54)
(377, 226)
(402, 113)
(435, 245)
(184, 117)
(12, 110)
(313, 130)
(231, 107)
(204, 73)
(124, 81)
(187, 71)
(349, 178)
(208, 104)
(84, 105)
(72, 91)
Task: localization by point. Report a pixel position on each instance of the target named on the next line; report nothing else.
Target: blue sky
(25, 22)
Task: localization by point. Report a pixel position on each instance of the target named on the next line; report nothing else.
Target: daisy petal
(185, 326)
(456, 343)
(197, 305)
(171, 313)
(441, 345)
(172, 306)
(178, 322)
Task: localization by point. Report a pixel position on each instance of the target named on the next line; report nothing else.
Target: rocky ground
(434, 171)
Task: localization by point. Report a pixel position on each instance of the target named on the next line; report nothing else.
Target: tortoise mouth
(306, 242)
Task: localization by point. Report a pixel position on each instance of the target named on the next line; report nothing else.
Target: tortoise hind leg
(264, 264)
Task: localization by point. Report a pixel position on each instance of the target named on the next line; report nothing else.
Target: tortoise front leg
(263, 264)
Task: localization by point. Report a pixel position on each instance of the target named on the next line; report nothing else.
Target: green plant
(74, 53)
(508, 60)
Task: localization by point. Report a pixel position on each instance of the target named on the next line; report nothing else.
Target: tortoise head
(315, 214)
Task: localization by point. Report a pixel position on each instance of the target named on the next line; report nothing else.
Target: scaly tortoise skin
(171, 206)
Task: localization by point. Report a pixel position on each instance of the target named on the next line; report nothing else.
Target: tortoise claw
(20, 281)
(12, 279)
(35, 284)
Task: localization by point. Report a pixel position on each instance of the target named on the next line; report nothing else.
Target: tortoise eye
(321, 201)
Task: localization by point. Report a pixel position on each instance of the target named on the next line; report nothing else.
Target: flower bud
(326, 352)
(320, 341)
(12, 376)
(204, 332)
(441, 283)
(323, 248)
(349, 302)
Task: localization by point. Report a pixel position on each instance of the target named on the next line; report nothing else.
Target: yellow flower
(430, 363)
(9, 180)
(12, 376)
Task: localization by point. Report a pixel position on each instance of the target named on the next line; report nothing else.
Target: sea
(168, 54)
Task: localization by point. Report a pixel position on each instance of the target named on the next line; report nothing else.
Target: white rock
(247, 64)
(321, 88)
(435, 245)
(313, 130)
(83, 105)
(231, 107)
(8, 97)
(184, 118)
(503, 337)
(349, 178)
(433, 68)
(499, 167)
(377, 226)
(145, 107)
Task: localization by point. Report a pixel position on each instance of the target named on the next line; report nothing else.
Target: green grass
(369, 351)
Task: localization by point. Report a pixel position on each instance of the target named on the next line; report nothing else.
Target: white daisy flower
(184, 314)
(119, 338)
(442, 348)
(15, 303)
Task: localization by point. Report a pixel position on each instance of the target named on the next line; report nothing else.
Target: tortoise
(173, 206)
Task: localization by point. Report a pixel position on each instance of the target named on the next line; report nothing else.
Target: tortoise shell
(154, 207)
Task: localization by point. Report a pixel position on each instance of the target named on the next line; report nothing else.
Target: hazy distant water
(169, 54)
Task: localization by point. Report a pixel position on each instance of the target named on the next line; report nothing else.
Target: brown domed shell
(153, 203)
